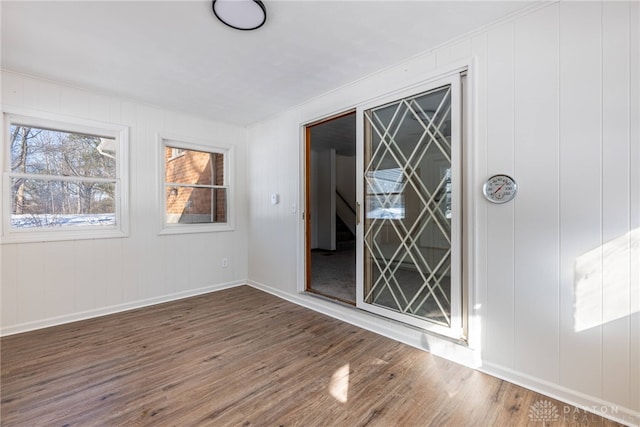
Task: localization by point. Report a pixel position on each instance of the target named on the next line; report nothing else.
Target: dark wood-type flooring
(241, 357)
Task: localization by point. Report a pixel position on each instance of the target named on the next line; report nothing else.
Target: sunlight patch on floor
(339, 385)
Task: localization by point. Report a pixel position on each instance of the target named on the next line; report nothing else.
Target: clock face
(500, 189)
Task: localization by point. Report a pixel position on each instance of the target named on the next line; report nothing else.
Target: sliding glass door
(410, 251)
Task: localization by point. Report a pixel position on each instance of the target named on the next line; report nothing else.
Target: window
(62, 180)
(385, 194)
(196, 191)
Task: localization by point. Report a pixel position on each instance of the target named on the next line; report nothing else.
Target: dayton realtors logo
(544, 411)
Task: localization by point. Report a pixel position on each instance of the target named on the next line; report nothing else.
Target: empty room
(320, 213)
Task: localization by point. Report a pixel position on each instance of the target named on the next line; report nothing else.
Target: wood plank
(500, 253)
(581, 202)
(475, 144)
(537, 227)
(9, 278)
(616, 190)
(634, 202)
(60, 275)
(30, 282)
(87, 275)
(110, 251)
(242, 357)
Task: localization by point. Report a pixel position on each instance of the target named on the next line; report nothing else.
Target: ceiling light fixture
(240, 14)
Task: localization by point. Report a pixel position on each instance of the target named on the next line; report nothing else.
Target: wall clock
(500, 189)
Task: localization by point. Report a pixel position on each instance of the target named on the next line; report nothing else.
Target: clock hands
(498, 189)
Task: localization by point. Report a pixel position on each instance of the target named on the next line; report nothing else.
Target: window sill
(195, 228)
(54, 236)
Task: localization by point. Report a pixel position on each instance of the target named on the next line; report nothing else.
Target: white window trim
(66, 124)
(176, 141)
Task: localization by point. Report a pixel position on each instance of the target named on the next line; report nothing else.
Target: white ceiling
(175, 54)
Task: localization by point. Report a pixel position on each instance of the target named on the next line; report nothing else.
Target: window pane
(385, 206)
(408, 165)
(385, 197)
(218, 162)
(40, 203)
(385, 181)
(175, 152)
(193, 167)
(189, 205)
(51, 152)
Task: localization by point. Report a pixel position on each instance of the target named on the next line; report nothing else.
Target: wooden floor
(241, 357)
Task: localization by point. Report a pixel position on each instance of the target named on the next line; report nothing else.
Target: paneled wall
(53, 282)
(555, 103)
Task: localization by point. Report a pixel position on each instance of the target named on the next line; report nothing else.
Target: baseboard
(68, 318)
(454, 352)
(586, 404)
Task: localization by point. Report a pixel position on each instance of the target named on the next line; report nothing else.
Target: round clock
(500, 189)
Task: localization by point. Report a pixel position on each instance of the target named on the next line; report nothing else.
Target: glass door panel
(411, 211)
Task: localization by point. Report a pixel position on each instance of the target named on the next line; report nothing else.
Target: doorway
(331, 208)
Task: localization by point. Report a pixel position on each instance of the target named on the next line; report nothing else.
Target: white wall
(48, 283)
(555, 102)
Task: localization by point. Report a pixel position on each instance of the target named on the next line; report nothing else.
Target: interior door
(410, 179)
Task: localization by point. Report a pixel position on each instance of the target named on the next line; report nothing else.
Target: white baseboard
(584, 403)
(68, 318)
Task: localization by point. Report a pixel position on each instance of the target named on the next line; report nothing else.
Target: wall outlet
(225, 262)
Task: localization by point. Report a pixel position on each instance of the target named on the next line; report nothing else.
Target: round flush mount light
(240, 14)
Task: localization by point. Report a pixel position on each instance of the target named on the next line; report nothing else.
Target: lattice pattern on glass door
(407, 234)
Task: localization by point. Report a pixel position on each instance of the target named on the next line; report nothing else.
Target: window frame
(185, 143)
(68, 124)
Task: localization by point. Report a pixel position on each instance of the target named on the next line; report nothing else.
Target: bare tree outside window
(61, 179)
